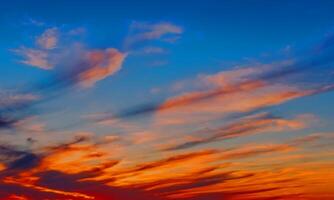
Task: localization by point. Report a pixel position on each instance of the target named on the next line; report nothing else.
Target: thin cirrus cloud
(150, 50)
(250, 125)
(280, 81)
(35, 57)
(143, 31)
(8, 98)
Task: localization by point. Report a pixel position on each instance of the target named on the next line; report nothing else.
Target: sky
(166, 100)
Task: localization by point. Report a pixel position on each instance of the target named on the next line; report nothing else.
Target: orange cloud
(194, 97)
(194, 107)
(250, 125)
(174, 160)
(17, 197)
(44, 189)
(103, 64)
(74, 158)
(249, 151)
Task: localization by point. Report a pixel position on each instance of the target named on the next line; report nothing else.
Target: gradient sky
(166, 100)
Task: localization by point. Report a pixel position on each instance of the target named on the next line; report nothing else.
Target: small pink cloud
(34, 57)
(48, 39)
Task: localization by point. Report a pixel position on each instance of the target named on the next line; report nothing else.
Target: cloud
(149, 50)
(86, 168)
(194, 97)
(250, 125)
(140, 31)
(101, 65)
(242, 90)
(73, 63)
(8, 122)
(48, 190)
(99, 190)
(184, 100)
(151, 180)
(197, 182)
(17, 159)
(32, 21)
(17, 197)
(35, 57)
(174, 160)
(279, 75)
(143, 137)
(40, 56)
(42, 180)
(81, 66)
(8, 99)
(77, 31)
(14, 108)
(233, 76)
(48, 39)
(249, 151)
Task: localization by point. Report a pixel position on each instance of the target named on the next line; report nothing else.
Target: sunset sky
(167, 100)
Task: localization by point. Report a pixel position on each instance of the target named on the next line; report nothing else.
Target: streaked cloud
(143, 31)
(282, 80)
(35, 57)
(248, 151)
(248, 126)
(150, 50)
(8, 98)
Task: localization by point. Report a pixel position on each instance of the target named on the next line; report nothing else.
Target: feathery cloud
(35, 57)
(141, 31)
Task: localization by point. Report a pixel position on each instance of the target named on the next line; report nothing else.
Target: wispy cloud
(8, 98)
(141, 31)
(250, 88)
(150, 50)
(48, 39)
(102, 64)
(250, 125)
(39, 56)
(249, 151)
(35, 57)
(73, 63)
